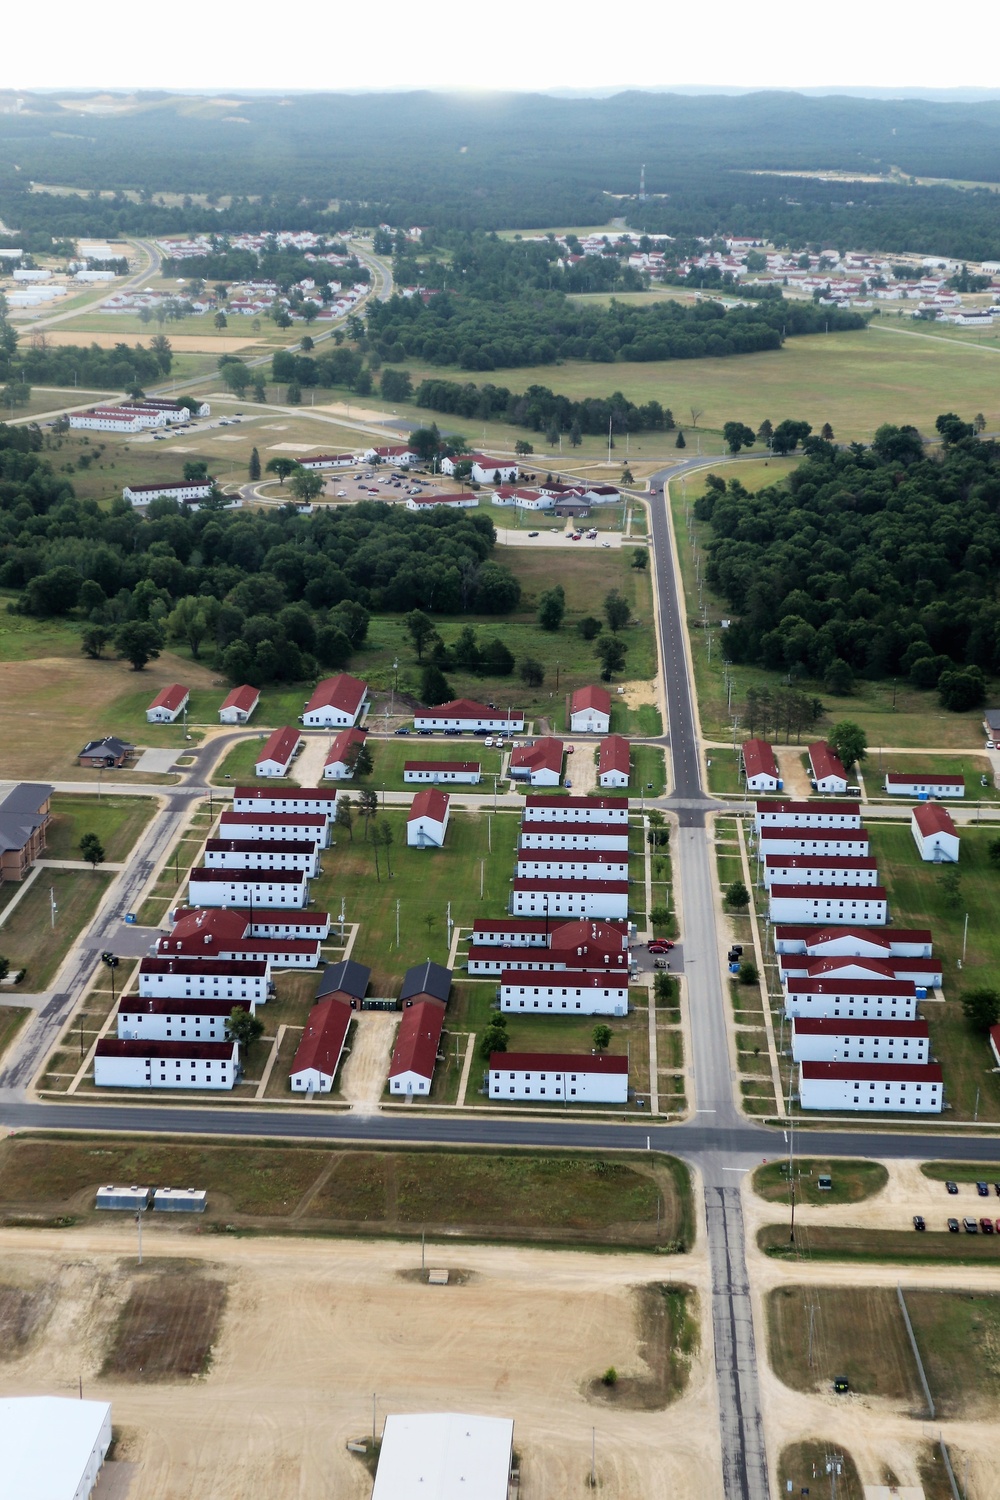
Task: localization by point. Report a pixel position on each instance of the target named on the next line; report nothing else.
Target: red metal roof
(417, 1039)
(775, 831)
(545, 754)
(816, 935)
(595, 857)
(824, 762)
(825, 807)
(547, 960)
(467, 708)
(250, 969)
(614, 755)
(305, 821)
(875, 1072)
(343, 692)
(261, 846)
(429, 803)
(170, 697)
(852, 987)
(758, 759)
(817, 967)
(344, 744)
(906, 778)
(453, 498)
(244, 698)
(834, 1026)
(931, 817)
(323, 1038)
(286, 794)
(557, 1062)
(612, 934)
(208, 1051)
(191, 1005)
(579, 830)
(590, 697)
(577, 979)
(280, 747)
(249, 877)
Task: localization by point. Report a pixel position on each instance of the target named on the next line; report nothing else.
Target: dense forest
(264, 596)
(512, 160)
(877, 561)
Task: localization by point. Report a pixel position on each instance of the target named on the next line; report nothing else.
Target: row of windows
(886, 1100)
(904, 1011)
(527, 1091)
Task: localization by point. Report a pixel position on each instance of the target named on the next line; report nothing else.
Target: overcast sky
(445, 45)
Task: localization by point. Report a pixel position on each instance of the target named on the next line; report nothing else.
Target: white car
(341, 494)
(488, 742)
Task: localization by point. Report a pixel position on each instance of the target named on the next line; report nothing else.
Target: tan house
(24, 817)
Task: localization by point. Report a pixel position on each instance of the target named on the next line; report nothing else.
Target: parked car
(488, 742)
(982, 1189)
(570, 749)
(986, 1225)
(532, 533)
(996, 1188)
(919, 1222)
(453, 732)
(341, 494)
(659, 945)
(970, 1226)
(404, 730)
(952, 1226)
(425, 731)
(952, 1187)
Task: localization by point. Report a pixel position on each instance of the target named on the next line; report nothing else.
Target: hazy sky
(443, 44)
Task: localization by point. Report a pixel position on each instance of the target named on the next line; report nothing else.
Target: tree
(627, 476)
(765, 432)
(220, 320)
(294, 394)
(344, 817)
(575, 434)
(333, 647)
(187, 622)
(788, 434)
(680, 443)
(368, 805)
(194, 470)
(961, 690)
(522, 448)
(244, 1028)
(738, 435)
(737, 896)
(93, 641)
(616, 610)
(306, 344)
(952, 429)
(589, 627)
(139, 642)
(363, 763)
(282, 467)
(531, 672)
(4, 966)
(839, 678)
(419, 627)
(237, 376)
(993, 850)
(306, 485)
(696, 412)
(602, 1036)
(254, 467)
(639, 559)
(611, 653)
(551, 608)
(92, 850)
(748, 972)
(979, 422)
(826, 432)
(494, 1037)
(981, 1008)
(850, 742)
(497, 659)
(434, 686)
(950, 881)
(382, 834)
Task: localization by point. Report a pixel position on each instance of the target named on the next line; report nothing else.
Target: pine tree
(255, 464)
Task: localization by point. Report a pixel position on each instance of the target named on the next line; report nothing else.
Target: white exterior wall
(569, 903)
(435, 777)
(285, 801)
(590, 721)
(811, 1047)
(924, 789)
(105, 424)
(540, 776)
(544, 864)
(853, 909)
(813, 817)
(796, 875)
(311, 1078)
(763, 782)
(937, 847)
(273, 833)
(174, 1026)
(570, 812)
(329, 717)
(426, 833)
(235, 715)
(163, 715)
(263, 892)
(484, 473)
(573, 837)
(167, 492)
(207, 984)
(877, 1098)
(492, 723)
(552, 995)
(590, 1088)
(269, 859)
(273, 767)
(165, 1073)
(613, 779)
(409, 1083)
(847, 847)
(853, 1007)
(849, 945)
(832, 785)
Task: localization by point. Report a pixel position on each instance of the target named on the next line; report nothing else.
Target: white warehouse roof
(47, 1444)
(444, 1456)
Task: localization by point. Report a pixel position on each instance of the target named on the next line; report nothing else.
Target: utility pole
(965, 937)
(397, 924)
(138, 1220)
(52, 904)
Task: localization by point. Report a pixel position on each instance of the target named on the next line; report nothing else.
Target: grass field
(30, 942)
(919, 897)
(891, 714)
(12, 1018)
(960, 1171)
(902, 1247)
(581, 1196)
(389, 757)
(117, 821)
(237, 766)
(853, 1181)
(857, 1332)
(803, 1467)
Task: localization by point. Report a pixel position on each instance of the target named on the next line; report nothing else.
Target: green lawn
(423, 882)
(29, 940)
(724, 771)
(853, 1181)
(12, 1018)
(237, 765)
(389, 757)
(972, 767)
(648, 772)
(918, 897)
(117, 821)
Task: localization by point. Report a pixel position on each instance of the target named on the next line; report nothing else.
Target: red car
(659, 945)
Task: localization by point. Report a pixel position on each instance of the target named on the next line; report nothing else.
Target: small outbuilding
(590, 711)
(170, 1200)
(239, 705)
(343, 756)
(345, 980)
(760, 766)
(614, 762)
(125, 1199)
(317, 1059)
(427, 822)
(167, 704)
(934, 833)
(827, 769)
(279, 752)
(442, 1455)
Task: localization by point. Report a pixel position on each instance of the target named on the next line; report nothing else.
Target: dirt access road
(313, 1327)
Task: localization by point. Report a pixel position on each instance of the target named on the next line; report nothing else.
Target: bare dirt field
(181, 343)
(311, 1330)
(167, 1327)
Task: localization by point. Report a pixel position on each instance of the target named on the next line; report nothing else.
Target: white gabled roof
(444, 1456)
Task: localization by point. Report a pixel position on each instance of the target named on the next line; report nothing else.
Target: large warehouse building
(53, 1447)
(444, 1455)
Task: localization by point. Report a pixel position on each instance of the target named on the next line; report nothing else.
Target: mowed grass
(857, 1332)
(897, 1247)
(890, 713)
(238, 766)
(423, 881)
(919, 897)
(586, 1196)
(12, 1018)
(853, 1181)
(958, 1335)
(117, 821)
(390, 756)
(28, 938)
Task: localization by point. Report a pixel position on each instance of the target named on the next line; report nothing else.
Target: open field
(237, 766)
(12, 1018)
(853, 1181)
(167, 1327)
(803, 1465)
(30, 942)
(891, 714)
(389, 757)
(857, 1332)
(920, 897)
(117, 821)
(51, 398)
(199, 334)
(896, 1247)
(518, 1195)
(959, 1171)
(307, 1336)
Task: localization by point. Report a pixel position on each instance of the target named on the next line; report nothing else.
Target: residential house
(827, 770)
(761, 767)
(107, 754)
(318, 1056)
(168, 703)
(344, 751)
(239, 705)
(590, 711)
(467, 772)
(25, 814)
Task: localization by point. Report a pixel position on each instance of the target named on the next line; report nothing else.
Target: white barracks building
(815, 1040)
(833, 905)
(208, 978)
(575, 991)
(166, 1065)
(878, 1088)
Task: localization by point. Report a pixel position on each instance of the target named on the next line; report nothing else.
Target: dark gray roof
(347, 978)
(992, 717)
(426, 979)
(111, 745)
(26, 798)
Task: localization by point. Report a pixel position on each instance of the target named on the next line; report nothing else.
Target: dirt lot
(181, 343)
(310, 1331)
(167, 1327)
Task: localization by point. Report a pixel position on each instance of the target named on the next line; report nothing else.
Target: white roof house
(52, 1446)
(444, 1456)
